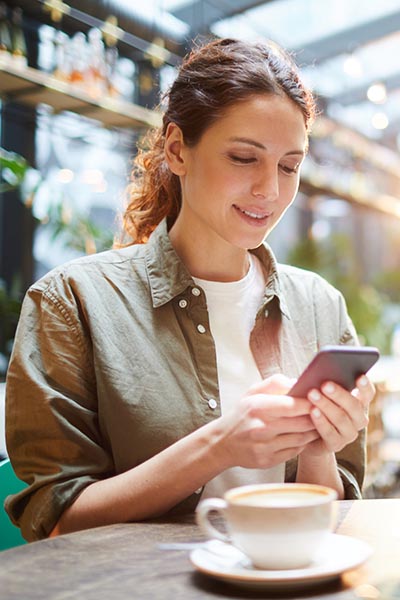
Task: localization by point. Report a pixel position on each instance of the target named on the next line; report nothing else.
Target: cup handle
(202, 511)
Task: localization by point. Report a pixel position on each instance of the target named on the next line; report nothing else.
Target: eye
(290, 170)
(243, 160)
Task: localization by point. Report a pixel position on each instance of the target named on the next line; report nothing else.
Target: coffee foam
(279, 498)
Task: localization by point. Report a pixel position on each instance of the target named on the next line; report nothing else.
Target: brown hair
(211, 79)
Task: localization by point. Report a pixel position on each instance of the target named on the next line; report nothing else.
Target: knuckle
(299, 439)
(257, 434)
(261, 458)
(341, 420)
(246, 406)
(252, 411)
(354, 436)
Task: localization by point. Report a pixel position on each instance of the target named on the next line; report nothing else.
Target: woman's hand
(338, 415)
(266, 427)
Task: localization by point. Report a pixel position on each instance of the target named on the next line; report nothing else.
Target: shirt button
(196, 292)
(212, 403)
(183, 303)
(201, 328)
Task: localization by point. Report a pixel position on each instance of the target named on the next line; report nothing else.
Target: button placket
(195, 317)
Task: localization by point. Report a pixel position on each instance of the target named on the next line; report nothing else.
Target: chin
(257, 242)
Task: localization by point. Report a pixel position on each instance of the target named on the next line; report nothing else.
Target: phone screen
(341, 364)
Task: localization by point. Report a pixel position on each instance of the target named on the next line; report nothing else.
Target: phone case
(341, 364)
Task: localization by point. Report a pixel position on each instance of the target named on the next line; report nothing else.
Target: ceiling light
(92, 177)
(111, 32)
(380, 120)
(56, 8)
(352, 66)
(377, 93)
(65, 175)
(157, 53)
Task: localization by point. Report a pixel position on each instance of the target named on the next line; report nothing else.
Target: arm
(240, 438)
(338, 416)
(58, 448)
(344, 468)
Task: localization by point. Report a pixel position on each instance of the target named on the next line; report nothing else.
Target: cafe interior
(81, 82)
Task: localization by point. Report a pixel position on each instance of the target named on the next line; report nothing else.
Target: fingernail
(314, 396)
(316, 412)
(363, 381)
(329, 388)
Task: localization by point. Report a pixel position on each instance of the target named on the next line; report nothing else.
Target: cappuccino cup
(278, 526)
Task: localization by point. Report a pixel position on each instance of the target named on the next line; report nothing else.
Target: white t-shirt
(232, 309)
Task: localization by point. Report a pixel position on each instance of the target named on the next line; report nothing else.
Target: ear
(174, 147)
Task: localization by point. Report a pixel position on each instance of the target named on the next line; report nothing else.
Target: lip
(253, 216)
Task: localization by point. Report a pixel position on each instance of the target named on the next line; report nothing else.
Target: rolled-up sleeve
(333, 325)
(52, 433)
(352, 459)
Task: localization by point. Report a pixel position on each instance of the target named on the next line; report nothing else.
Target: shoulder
(92, 285)
(86, 270)
(309, 296)
(305, 282)
(306, 292)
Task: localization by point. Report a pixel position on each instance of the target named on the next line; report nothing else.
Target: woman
(149, 375)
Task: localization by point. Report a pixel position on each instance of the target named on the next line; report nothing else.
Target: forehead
(265, 117)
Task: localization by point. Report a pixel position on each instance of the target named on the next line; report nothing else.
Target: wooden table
(124, 562)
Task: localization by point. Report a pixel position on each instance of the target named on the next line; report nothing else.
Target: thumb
(275, 384)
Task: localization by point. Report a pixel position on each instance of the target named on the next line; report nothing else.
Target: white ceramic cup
(278, 526)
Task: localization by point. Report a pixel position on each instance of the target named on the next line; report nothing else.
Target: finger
(281, 426)
(344, 421)
(365, 391)
(270, 406)
(283, 448)
(328, 433)
(339, 406)
(294, 440)
(335, 436)
(283, 456)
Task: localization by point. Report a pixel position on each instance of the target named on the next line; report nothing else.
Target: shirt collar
(168, 276)
(273, 286)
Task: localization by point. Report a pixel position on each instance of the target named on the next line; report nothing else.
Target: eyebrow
(251, 142)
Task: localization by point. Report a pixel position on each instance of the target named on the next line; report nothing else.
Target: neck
(211, 259)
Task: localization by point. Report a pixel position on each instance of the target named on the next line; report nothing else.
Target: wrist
(219, 451)
(322, 470)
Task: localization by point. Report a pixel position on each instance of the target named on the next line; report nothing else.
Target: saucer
(223, 561)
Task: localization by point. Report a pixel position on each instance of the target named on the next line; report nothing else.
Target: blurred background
(81, 82)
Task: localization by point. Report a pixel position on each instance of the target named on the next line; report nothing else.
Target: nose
(266, 184)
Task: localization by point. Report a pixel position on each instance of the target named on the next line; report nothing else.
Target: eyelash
(290, 170)
(248, 161)
(242, 160)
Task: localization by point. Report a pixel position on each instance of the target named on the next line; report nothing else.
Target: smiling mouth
(251, 214)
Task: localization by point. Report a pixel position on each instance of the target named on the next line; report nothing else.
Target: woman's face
(243, 174)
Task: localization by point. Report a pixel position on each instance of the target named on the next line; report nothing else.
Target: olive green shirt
(114, 361)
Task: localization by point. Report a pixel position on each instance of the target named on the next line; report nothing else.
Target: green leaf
(13, 167)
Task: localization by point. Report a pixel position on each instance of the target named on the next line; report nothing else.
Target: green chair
(10, 535)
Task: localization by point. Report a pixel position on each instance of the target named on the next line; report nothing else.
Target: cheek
(289, 189)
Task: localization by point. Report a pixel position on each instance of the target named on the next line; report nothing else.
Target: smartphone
(340, 364)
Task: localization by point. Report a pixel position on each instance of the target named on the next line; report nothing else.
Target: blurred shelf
(367, 174)
(319, 183)
(32, 87)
